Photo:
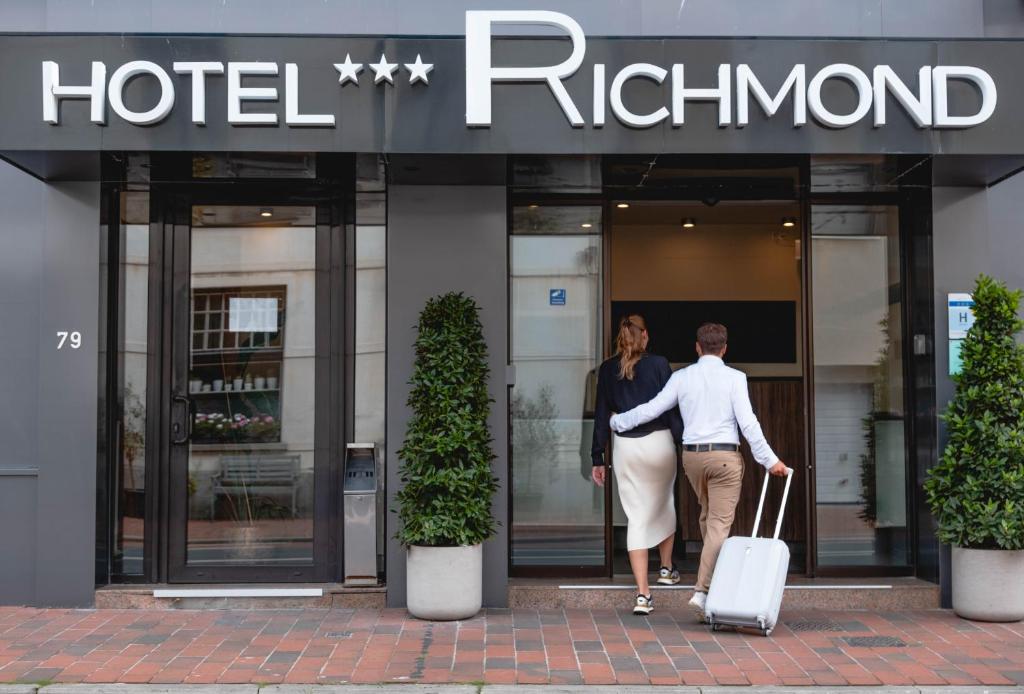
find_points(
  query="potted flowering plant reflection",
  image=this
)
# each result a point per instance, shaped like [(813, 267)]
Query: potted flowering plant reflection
[(217, 427)]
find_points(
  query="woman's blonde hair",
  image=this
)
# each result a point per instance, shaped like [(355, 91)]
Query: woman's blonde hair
[(630, 344)]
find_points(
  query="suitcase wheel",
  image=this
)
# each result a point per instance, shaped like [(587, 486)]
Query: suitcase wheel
[(716, 627), (766, 632)]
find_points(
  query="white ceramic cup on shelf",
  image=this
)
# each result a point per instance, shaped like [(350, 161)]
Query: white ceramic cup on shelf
[(260, 383), (218, 384), (272, 382), (237, 383)]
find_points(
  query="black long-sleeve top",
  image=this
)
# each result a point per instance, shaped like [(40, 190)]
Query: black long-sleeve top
[(616, 394)]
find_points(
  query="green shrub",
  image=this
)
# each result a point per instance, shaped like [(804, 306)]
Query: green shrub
[(447, 485), (977, 489)]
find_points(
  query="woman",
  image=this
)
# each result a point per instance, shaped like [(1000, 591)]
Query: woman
[(645, 458)]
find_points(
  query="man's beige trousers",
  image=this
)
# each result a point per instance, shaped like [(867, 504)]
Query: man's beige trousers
[(716, 478)]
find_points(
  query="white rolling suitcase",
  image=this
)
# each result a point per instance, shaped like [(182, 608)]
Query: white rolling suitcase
[(750, 576)]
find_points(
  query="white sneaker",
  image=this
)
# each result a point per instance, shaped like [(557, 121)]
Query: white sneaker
[(668, 576), (697, 603), (644, 605)]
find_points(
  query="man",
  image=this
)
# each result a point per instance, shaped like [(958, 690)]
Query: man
[(714, 402)]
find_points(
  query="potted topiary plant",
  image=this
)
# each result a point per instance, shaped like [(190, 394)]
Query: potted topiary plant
[(444, 503), (977, 489)]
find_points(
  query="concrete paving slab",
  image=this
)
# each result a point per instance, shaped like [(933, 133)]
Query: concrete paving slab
[(372, 689), (472, 689), (811, 690), (588, 689), (151, 689), (18, 689), (657, 689)]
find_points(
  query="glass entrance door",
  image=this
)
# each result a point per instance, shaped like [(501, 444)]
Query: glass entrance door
[(680, 264), (860, 422), (250, 435)]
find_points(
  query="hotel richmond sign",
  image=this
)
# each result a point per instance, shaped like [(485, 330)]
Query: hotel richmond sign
[(926, 102), (519, 81)]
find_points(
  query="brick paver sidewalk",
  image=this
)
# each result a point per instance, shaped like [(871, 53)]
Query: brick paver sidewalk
[(502, 646)]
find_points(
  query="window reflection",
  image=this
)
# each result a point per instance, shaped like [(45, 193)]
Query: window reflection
[(251, 385), (370, 313), (857, 174), (253, 165), (130, 500), (858, 386), (558, 513), (557, 174)]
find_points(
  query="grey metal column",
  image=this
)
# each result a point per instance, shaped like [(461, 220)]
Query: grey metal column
[(49, 274), (447, 238)]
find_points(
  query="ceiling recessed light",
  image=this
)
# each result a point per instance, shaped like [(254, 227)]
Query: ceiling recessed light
[(623, 205), (266, 212), (689, 222), (789, 222), (586, 225), (533, 207)]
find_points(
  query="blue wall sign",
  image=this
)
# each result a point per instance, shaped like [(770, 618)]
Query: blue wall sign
[(961, 315), (961, 318), (556, 297)]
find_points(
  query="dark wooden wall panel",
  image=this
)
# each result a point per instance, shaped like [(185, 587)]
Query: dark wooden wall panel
[(779, 407)]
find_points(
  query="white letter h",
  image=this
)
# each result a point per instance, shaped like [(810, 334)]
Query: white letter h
[(94, 92)]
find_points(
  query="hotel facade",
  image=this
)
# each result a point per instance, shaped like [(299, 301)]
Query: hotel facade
[(221, 222)]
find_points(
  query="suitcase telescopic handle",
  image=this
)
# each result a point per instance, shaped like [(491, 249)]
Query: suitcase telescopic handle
[(782, 507)]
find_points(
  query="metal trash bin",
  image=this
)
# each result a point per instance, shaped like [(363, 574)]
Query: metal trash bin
[(360, 532)]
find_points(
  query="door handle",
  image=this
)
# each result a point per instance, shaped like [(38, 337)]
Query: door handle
[(176, 428)]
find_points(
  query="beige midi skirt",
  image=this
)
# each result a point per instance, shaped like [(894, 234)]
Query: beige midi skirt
[(645, 474)]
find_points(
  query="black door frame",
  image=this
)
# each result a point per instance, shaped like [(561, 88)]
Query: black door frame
[(605, 200), (798, 199), (170, 232), (912, 203), (912, 197)]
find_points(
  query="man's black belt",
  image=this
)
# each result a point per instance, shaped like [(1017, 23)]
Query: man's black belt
[(707, 447)]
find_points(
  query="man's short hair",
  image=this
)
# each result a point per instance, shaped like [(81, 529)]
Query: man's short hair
[(712, 338)]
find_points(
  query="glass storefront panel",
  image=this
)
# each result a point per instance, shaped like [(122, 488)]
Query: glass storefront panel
[(558, 514), (251, 385), (856, 174), (371, 271), (129, 499), (254, 165), (129, 545), (859, 413), (557, 174), (225, 318)]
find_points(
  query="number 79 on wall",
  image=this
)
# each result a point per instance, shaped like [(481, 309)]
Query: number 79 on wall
[(71, 339)]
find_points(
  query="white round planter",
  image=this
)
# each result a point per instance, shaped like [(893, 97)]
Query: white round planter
[(444, 583), (988, 584)]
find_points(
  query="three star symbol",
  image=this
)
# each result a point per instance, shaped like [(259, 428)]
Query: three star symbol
[(383, 71), (418, 71), (348, 70)]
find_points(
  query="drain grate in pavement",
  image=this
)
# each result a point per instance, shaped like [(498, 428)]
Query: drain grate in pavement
[(338, 634), (875, 641), (814, 625)]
